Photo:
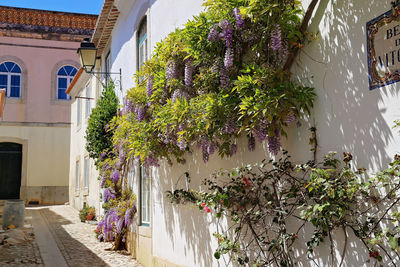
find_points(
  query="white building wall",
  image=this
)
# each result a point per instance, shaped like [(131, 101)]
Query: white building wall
[(348, 117)]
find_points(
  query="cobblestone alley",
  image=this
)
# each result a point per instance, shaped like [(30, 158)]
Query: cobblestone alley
[(54, 236)]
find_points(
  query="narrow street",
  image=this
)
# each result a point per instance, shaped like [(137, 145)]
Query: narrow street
[(54, 236)]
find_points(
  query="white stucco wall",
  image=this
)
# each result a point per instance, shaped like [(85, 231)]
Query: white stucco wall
[(348, 117), (91, 194)]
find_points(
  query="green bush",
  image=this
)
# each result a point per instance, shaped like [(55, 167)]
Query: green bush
[(98, 139)]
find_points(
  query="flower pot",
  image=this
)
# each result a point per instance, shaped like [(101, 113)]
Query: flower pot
[(89, 217)]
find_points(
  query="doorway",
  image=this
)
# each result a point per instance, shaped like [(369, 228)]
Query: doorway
[(10, 170)]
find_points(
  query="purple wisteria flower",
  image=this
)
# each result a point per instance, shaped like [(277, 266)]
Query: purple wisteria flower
[(172, 70), (233, 150), (229, 57), (120, 225), (224, 78), (129, 215), (274, 143), (291, 118), (109, 219), (107, 195), (238, 17), (106, 127), (227, 32), (260, 132), (189, 68), (179, 93), (230, 126), (102, 155), (115, 176), (140, 113), (204, 143), (251, 143), (276, 38), (103, 180), (149, 86), (151, 160), (213, 35)]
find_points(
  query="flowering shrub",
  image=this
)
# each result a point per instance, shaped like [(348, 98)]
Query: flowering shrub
[(260, 201), (118, 198), (219, 77)]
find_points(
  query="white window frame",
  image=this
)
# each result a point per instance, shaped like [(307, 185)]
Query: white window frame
[(69, 80), (107, 68), (9, 74), (86, 172), (77, 174), (145, 196), (142, 44)]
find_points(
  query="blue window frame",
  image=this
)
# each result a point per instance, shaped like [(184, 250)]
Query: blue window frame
[(65, 76), (10, 79)]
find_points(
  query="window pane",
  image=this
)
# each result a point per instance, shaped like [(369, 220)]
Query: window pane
[(62, 72), (62, 83), (3, 68), (62, 94), (3, 81), (86, 164), (145, 196), (14, 91), (15, 80), (16, 69), (74, 71), (9, 66)]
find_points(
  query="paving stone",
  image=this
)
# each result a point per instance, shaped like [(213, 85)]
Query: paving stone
[(77, 241)]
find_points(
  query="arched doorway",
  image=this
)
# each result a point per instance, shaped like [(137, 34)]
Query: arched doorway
[(10, 170)]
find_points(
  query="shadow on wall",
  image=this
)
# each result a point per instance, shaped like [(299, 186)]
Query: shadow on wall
[(348, 116)]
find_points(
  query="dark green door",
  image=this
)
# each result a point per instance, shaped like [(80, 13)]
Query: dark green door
[(10, 170)]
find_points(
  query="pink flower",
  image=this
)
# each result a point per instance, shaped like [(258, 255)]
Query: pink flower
[(203, 204), (207, 209), (222, 201)]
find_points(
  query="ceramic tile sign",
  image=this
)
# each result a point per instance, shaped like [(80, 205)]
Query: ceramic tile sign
[(383, 48)]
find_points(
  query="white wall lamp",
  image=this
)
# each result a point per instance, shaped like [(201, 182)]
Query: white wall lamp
[(88, 55)]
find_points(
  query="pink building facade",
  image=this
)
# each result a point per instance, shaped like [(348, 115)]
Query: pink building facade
[(38, 60)]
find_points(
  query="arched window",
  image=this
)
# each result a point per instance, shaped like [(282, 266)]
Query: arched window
[(142, 42), (11, 79), (65, 75)]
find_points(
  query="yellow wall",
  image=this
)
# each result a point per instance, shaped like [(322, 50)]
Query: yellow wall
[(46, 148)]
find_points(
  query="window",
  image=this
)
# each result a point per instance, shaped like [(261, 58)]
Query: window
[(107, 68), (86, 172), (144, 196), (65, 75), (78, 111), (87, 107), (142, 42), (10, 79), (77, 173)]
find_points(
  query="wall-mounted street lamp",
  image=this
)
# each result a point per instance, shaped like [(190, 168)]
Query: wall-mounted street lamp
[(88, 55)]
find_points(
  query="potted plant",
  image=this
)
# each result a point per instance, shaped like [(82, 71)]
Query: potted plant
[(91, 213), (87, 213)]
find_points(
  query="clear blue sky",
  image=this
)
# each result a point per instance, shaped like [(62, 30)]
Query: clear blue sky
[(76, 6)]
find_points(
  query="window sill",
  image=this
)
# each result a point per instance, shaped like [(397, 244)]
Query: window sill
[(14, 100)]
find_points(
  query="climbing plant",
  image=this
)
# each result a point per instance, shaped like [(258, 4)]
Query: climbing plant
[(219, 77), (261, 201)]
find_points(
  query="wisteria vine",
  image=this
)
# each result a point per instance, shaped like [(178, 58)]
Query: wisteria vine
[(218, 78)]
